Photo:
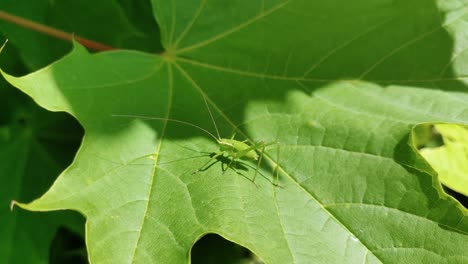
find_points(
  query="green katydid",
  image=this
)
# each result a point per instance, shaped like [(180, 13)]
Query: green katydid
[(228, 147)]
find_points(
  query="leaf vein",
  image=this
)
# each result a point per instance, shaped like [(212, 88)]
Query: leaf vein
[(234, 29), (191, 23), (158, 150)]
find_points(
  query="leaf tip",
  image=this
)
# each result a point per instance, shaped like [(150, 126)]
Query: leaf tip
[(3, 46), (12, 204)]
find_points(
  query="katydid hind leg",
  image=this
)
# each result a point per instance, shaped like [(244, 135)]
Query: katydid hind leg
[(276, 170), (258, 163)]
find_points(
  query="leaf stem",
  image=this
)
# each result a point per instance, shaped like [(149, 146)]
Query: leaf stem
[(53, 32)]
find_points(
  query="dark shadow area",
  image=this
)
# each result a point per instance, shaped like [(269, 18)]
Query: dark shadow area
[(52, 139), (460, 197), (397, 57), (225, 162), (140, 15), (385, 55), (68, 247), (125, 24), (35, 146), (214, 249)]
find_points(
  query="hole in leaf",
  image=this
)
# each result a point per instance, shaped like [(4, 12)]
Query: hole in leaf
[(67, 247), (445, 147), (213, 248)]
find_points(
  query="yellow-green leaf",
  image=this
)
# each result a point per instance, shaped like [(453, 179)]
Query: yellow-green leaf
[(451, 160)]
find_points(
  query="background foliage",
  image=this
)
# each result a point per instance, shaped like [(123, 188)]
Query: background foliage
[(340, 86)]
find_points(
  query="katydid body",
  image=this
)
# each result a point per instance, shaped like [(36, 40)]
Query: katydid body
[(237, 149)]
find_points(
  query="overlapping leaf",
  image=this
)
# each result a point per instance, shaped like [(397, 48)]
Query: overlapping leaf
[(340, 86), (83, 18)]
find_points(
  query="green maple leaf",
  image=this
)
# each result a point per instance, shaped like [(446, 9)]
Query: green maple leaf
[(339, 86)]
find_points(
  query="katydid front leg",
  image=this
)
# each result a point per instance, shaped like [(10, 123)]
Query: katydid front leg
[(202, 168)]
